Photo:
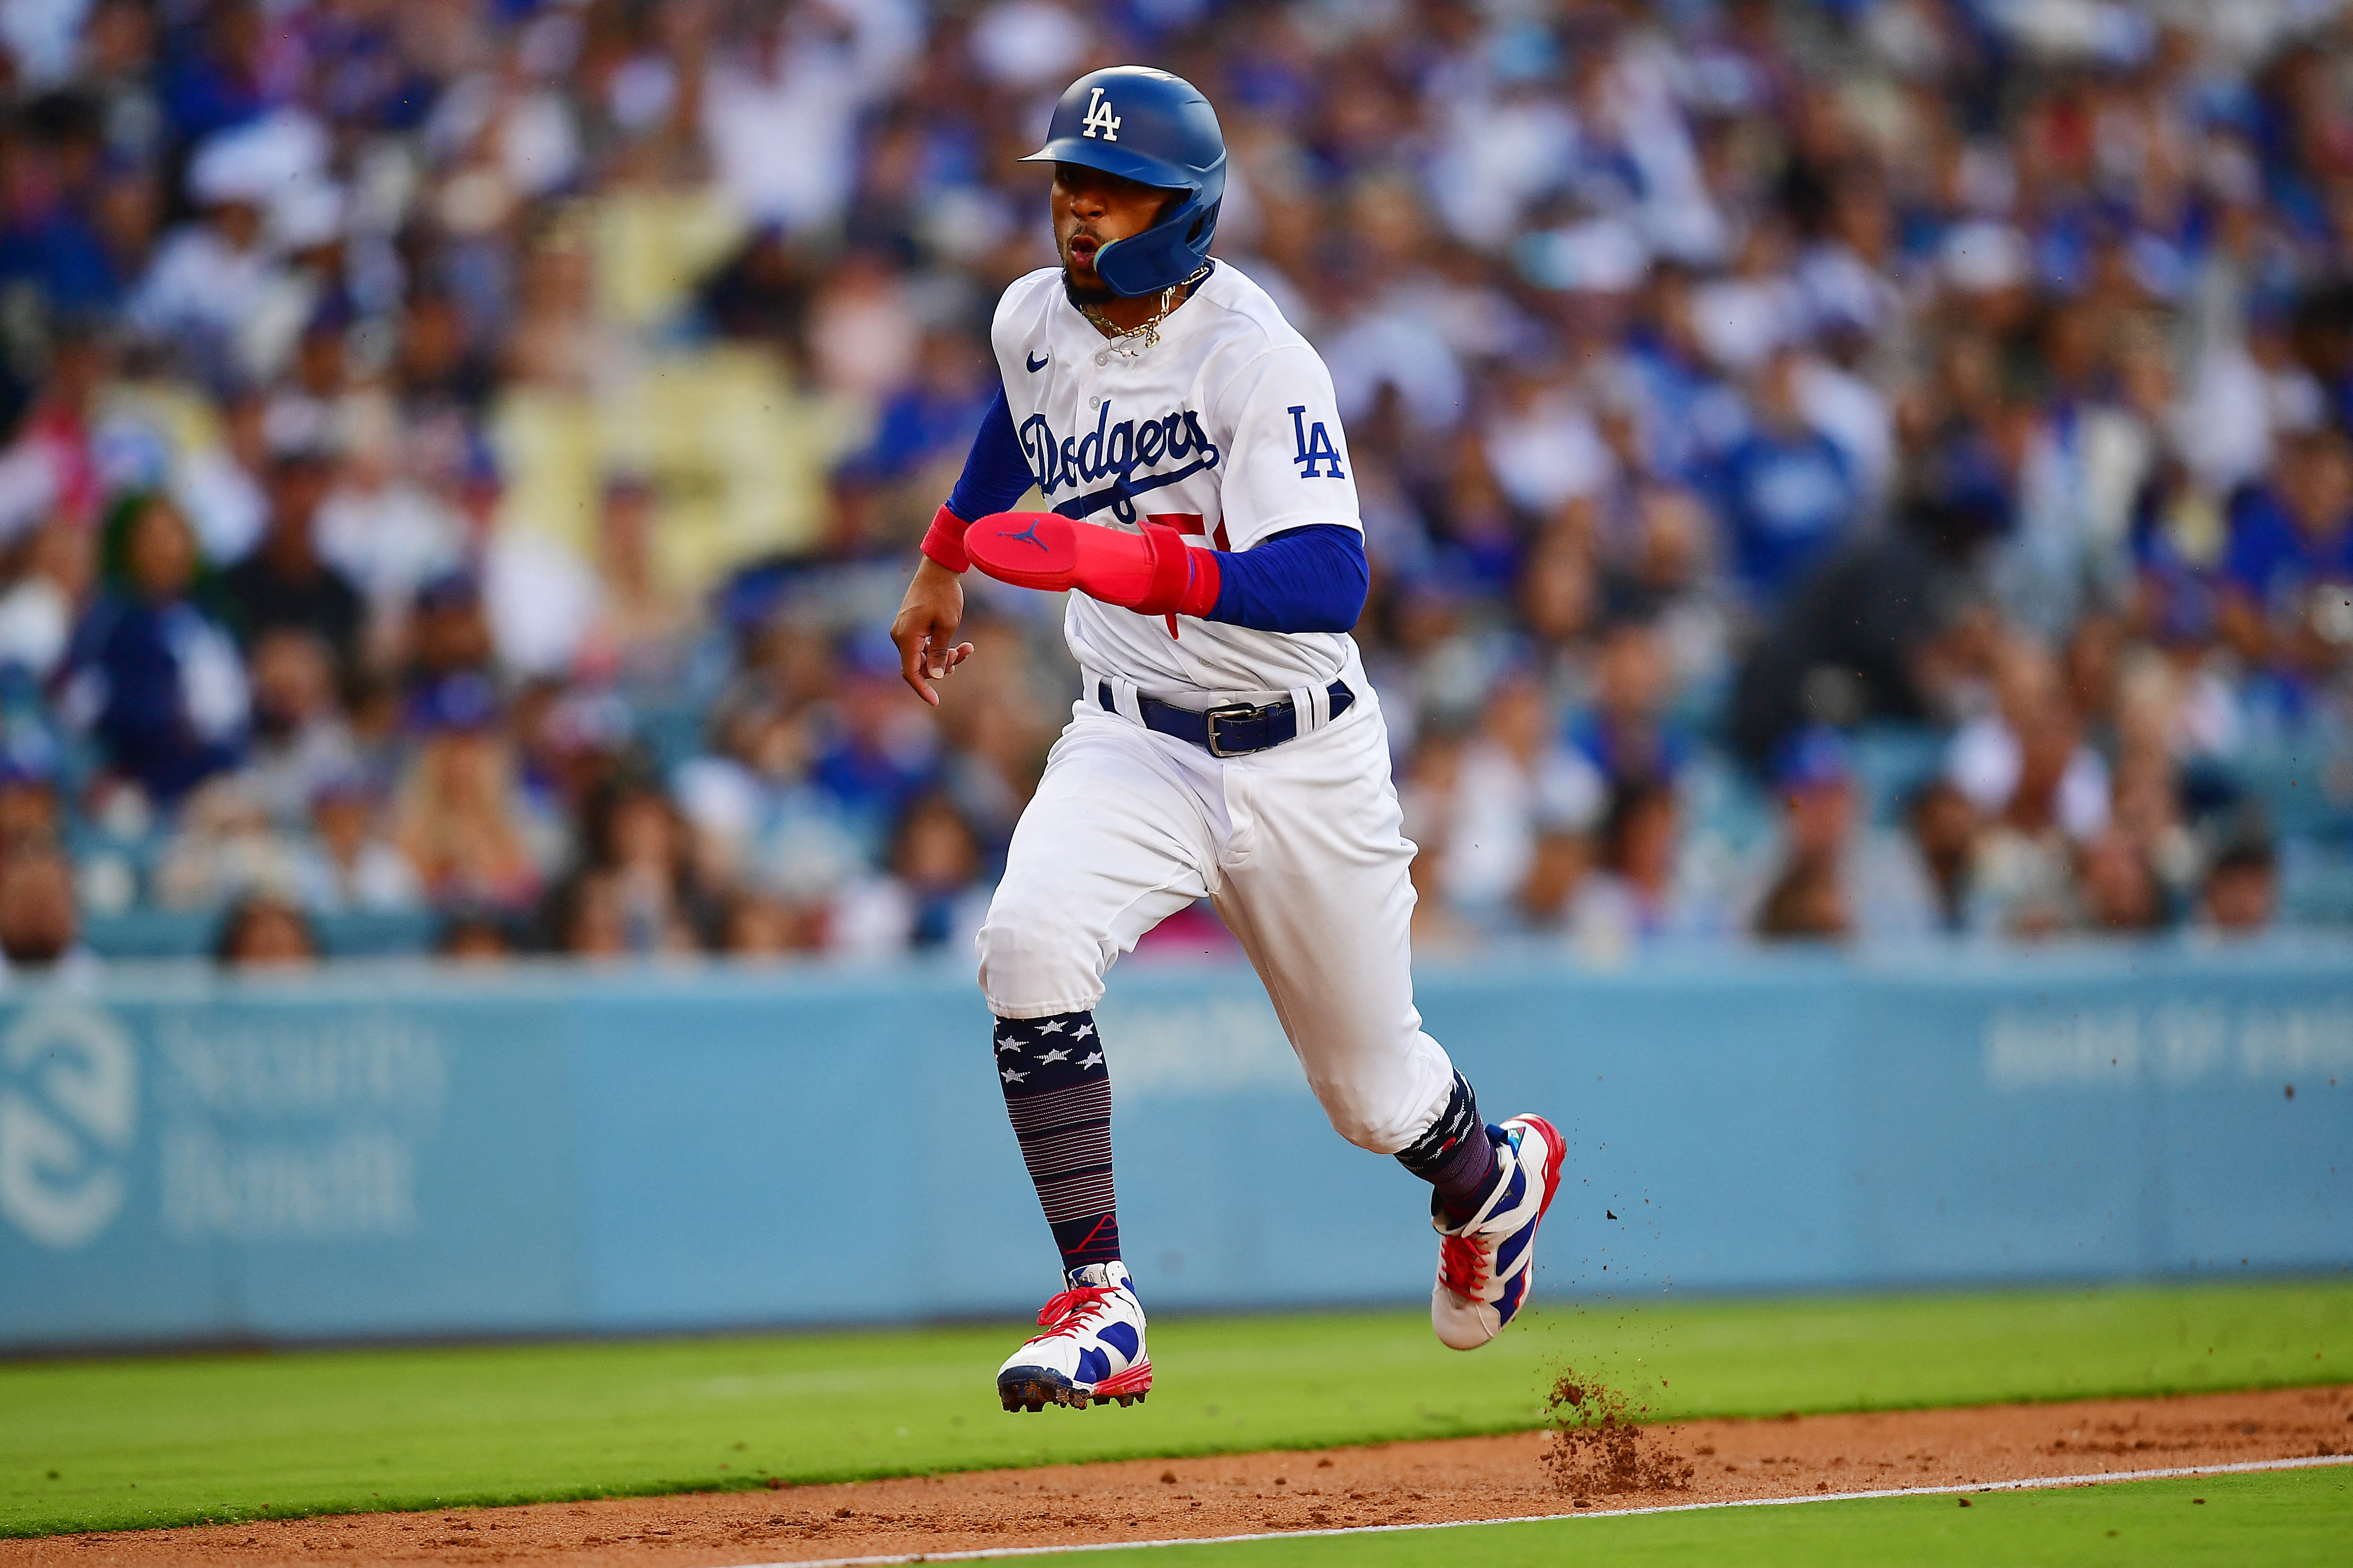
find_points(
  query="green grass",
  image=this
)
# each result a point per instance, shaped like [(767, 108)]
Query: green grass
[(118, 1444), (2282, 1518)]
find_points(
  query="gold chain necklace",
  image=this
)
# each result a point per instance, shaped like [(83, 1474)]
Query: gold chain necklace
[(1128, 342)]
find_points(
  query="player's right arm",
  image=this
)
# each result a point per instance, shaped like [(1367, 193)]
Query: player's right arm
[(995, 475)]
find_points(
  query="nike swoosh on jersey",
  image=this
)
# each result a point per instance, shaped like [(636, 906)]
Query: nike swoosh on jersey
[(1037, 362)]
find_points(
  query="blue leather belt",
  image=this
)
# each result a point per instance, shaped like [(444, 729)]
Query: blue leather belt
[(1235, 729)]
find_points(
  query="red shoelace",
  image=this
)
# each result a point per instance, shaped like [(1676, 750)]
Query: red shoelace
[(1062, 1310), (1462, 1266)]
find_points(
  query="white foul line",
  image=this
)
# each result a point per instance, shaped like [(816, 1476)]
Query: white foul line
[(2036, 1483)]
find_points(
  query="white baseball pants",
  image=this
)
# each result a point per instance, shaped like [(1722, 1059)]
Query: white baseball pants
[(1299, 849)]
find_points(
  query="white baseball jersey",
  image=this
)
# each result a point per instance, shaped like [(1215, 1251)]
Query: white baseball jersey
[(1225, 430)]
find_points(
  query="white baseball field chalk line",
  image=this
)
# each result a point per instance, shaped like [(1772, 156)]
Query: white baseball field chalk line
[(2038, 1482)]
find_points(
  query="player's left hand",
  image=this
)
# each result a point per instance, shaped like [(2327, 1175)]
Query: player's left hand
[(1154, 572)]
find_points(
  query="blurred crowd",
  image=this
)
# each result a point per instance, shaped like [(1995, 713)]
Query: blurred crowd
[(1834, 469)]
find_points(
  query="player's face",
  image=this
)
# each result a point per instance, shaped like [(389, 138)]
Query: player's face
[(1091, 210)]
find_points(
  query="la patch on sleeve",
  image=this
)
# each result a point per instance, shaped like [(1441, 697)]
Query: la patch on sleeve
[(1314, 446)]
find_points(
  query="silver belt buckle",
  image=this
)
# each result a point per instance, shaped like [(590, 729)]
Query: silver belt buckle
[(1209, 717)]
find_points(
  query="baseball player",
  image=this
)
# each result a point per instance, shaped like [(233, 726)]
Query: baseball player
[(1225, 743)]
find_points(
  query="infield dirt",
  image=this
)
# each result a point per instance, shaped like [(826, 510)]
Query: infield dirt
[(1589, 1462)]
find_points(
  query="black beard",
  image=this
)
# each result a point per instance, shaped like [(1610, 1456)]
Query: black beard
[(1094, 294)]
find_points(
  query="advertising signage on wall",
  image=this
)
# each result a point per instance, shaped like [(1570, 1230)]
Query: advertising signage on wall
[(554, 1151)]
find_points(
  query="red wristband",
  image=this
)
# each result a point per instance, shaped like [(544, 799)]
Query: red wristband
[(1200, 596), (944, 542)]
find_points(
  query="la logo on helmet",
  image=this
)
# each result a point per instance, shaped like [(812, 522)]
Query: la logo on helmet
[(1100, 117)]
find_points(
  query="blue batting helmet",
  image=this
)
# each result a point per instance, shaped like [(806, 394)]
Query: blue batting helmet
[(1157, 130)]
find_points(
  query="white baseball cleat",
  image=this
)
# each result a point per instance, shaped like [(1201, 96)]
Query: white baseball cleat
[(1093, 1348), (1486, 1264)]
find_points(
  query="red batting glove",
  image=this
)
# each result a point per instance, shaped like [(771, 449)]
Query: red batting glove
[(1154, 572)]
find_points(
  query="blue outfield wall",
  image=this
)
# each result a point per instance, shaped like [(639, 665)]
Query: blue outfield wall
[(416, 1152)]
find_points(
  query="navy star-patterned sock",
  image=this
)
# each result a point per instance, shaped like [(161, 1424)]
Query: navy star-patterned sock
[(1456, 1155), (1058, 1091)]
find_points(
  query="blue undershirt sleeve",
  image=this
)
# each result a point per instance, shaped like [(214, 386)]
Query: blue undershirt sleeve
[(1310, 579), (995, 474)]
